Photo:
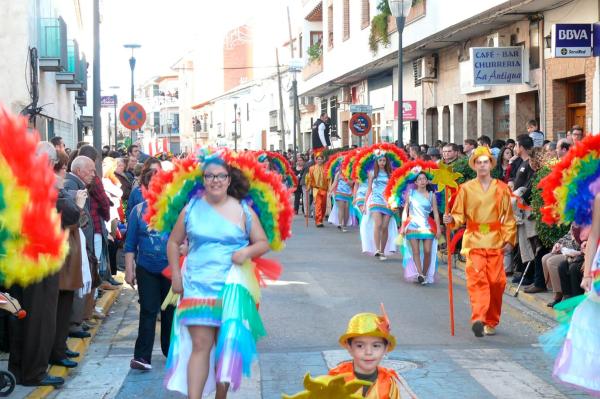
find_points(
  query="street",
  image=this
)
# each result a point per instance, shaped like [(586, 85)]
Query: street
[(326, 280)]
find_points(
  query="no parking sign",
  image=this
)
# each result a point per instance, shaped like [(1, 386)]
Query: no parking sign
[(132, 116), (360, 124)]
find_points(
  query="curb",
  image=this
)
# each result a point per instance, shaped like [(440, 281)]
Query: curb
[(78, 345), (530, 300)]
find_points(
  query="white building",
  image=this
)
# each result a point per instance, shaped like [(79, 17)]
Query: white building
[(43, 68), (437, 72)]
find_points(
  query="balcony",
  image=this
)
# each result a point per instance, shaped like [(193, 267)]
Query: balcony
[(312, 68), (53, 45)]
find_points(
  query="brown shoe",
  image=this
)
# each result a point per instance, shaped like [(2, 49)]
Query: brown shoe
[(487, 330), (532, 289)]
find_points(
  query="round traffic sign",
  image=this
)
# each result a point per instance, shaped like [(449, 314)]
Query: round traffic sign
[(132, 116), (360, 124)]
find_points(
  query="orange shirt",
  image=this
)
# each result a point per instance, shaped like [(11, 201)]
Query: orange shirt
[(487, 214), (385, 387), (316, 177)]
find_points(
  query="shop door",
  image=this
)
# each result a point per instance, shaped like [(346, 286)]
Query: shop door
[(576, 116)]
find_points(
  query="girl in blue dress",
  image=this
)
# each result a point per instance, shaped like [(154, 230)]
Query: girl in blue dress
[(340, 214), (223, 233), (378, 229), (420, 233)]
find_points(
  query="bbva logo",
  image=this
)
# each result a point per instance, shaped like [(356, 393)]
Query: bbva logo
[(573, 34)]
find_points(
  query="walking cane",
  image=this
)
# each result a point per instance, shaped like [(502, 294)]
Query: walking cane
[(306, 203), (522, 278)]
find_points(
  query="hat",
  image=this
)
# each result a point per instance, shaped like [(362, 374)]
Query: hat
[(433, 151), (369, 325), (481, 151), (319, 152)]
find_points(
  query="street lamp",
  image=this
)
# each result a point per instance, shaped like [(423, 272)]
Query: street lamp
[(115, 110), (400, 9), (132, 46)]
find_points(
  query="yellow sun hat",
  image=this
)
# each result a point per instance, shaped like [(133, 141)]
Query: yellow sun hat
[(369, 325), (481, 151)]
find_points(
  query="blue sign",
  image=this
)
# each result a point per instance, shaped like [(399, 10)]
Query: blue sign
[(499, 66), (596, 40), (572, 40)]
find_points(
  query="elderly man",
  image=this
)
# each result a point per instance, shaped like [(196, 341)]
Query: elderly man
[(562, 147), (31, 339)]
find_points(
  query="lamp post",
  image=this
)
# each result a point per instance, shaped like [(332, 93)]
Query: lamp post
[(400, 9), (115, 110), (132, 46)]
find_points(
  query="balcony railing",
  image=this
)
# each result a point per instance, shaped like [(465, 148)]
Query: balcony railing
[(53, 42), (73, 58), (313, 68)]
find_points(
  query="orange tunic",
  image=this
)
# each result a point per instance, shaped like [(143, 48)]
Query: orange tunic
[(386, 386), (316, 178), (487, 214)]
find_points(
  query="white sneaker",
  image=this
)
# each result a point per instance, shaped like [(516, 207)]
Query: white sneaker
[(382, 257)]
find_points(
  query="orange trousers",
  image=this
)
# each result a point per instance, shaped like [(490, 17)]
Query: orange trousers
[(486, 280), (320, 206)]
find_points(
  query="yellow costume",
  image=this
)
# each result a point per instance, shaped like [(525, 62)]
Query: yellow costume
[(385, 387), (316, 179), (490, 224)]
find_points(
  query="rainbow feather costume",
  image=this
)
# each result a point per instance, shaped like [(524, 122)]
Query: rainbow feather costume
[(233, 307), (365, 160), (568, 193), (32, 243), (282, 166)]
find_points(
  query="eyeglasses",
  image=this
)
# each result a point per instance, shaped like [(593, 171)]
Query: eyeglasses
[(221, 177)]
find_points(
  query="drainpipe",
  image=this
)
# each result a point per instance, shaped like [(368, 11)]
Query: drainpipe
[(543, 91)]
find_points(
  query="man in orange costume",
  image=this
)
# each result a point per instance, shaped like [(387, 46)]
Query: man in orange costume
[(316, 179), (483, 204)]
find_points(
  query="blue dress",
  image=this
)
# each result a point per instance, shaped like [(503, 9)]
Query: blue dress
[(216, 293), (343, 191), (377, 202)]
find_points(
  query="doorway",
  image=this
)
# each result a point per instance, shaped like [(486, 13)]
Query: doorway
[(576, 109)]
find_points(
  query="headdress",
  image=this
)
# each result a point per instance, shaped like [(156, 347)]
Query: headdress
[(402, 178), (369, 325), (569, 190), (32, 243), (334, 164), (281, 165), (170, 191), (365, 160), (319, 153), (481, 151), (348, 163)]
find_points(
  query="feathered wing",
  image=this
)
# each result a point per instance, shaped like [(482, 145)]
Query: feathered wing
[(32, 243)]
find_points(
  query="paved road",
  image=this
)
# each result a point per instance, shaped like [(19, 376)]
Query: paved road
[(326, 281)]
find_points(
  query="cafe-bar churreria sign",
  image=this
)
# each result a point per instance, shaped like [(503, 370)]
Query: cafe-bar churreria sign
[(499, 66)]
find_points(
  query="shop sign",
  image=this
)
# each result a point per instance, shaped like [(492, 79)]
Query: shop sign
[(499, 66), (409, 110), (108, 101), (572, 40)]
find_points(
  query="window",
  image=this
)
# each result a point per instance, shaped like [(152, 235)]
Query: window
[(346, 19), (501, 118), (156, 121), (333, 106), (316, 37), (534, 45), (366, 13), (330, 26), (211, 120), (273, 124), (155, 91)]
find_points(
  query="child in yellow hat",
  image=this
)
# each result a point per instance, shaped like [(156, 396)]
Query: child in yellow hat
[(367, 340)]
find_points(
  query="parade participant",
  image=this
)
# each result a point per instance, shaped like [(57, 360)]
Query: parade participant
[(34, 247), (220, 201), (379, 229), (483, 204), (571, 194), (341, 190), (316, 179), (276, 162), (359, 190), (367, 340), (409, 188)]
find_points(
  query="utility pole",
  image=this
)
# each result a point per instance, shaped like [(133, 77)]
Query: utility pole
[(280, 103), (96, 81), (294, 89)]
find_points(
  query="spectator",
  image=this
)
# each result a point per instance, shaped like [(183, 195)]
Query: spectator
[(320, 133), (424, 148), (112, 187), (450, 153), (414, 152), (550, 147), (536, 135), (468, 146), (562, 147), (434, 153), (58, 143), (576, 134), (133, 151), (503, 165), (136, 193), (126, 183), (149, 249), (510, 143), (485, 141)]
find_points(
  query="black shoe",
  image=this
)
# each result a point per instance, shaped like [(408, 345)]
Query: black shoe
[(320, 225), (517, 277), (79, 334), (553, 303), (112, 281), (420, 279), (477, 328), (65, 363), (70, 353), (85, 327), (48, 380)]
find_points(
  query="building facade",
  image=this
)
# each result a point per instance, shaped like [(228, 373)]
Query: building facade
[(48, 40)]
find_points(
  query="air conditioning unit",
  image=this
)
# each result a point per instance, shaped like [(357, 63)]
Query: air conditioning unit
[(497, 40), (425, 69), (307, 100)]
